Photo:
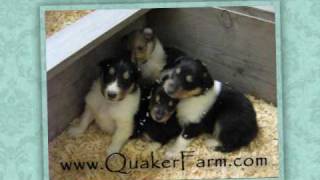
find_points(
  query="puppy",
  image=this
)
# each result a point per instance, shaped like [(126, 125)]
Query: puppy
[(206, 107), (149, 54), (112, 102), (156, 119)]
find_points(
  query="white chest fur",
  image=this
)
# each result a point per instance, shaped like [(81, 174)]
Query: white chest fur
[(152, 68), (105, 110), (191, 110)]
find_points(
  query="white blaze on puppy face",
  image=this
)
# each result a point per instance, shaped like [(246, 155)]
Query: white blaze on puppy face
[(113, 87), (167, 84)]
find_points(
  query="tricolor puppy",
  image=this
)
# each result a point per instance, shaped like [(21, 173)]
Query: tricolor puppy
[(206, 107), (156, 119), (112, 102)]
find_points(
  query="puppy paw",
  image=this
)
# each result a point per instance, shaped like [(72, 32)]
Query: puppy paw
[(212, 144), (171, 153), (112, 150), (75, 131)]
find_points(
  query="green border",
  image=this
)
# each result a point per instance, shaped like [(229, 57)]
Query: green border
[(275, 3)]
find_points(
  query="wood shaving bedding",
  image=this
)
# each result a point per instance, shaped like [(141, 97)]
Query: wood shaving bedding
[(57, 20), (93, 144)]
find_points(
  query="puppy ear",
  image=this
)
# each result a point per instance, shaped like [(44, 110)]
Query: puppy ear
[(148, 34)]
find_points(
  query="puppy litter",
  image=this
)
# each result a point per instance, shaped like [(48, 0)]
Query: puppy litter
[(93, 144)]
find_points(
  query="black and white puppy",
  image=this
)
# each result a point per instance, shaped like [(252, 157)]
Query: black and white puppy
[(149, 54), (206, 107), (112, 102), (156, 119)]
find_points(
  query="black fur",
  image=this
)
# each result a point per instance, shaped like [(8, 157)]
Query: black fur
[(188, 66), (173, 54), (232, 111), (236, 117), (144, 123), (120, 65)]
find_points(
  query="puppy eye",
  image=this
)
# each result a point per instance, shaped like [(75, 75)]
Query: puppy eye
[(126, 75), (178, 71), (189, 78), (158, 99), (140, 48), (170, 103), (111, 71), (205, 74)]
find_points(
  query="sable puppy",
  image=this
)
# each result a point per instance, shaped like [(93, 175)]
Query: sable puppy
[(112, 102), (206, 107), (148, 53), (156, 118)]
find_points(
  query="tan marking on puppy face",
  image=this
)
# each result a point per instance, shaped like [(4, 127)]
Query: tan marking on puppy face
[(157, 98), (180, 94), (125, 75), (164, 119), (189, 78)]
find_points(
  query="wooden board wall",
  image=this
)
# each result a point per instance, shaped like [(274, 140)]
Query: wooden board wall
[(238, 49), (69, 83)]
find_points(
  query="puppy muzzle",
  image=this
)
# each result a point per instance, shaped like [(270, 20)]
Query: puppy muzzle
[(159, 115)]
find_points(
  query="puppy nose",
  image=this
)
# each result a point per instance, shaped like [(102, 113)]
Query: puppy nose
[(159, 114), (112, 94)]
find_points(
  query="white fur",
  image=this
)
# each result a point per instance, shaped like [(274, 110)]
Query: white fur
[(167, 84), (191, 110), (179, 145), (212, 143), (113, 87), (152, 68), (115, 117)]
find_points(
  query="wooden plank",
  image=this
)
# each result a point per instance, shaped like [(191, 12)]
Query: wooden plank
[(67, 89), (84, 35), (262, 13), (237, 48)]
